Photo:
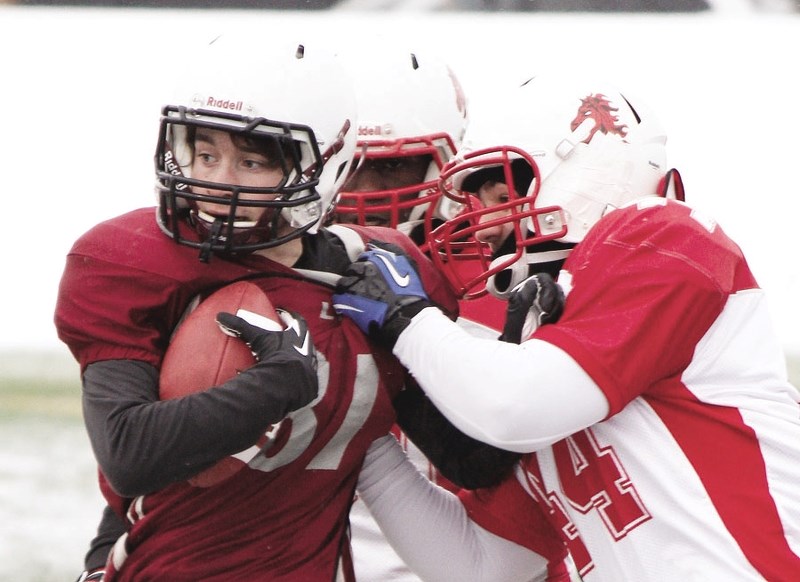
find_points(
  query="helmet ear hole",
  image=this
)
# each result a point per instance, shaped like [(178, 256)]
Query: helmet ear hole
[(523, 176), (340, 170), (671, 186), (503, 282)]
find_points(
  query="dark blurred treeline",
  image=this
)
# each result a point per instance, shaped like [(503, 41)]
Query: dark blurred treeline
[(486, 5)]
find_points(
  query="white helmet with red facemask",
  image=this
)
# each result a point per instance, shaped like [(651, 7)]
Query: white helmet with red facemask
[(293, 102), (411, 110), (570, 152)]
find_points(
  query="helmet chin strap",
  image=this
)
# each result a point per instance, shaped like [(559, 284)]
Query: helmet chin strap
[(212, 239), (503, 282)]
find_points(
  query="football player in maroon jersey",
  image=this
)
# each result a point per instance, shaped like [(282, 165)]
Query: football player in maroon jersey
[(659, 429), (252, 151)]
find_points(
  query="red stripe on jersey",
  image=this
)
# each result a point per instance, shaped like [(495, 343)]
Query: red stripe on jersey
[(749, 513)]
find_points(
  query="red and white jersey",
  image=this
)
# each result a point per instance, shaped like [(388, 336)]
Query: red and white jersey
[(284, 517), (695, 473), (682, 460)]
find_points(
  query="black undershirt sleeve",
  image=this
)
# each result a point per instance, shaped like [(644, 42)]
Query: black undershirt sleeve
[(143, 444), (110, 528), (465, 461)]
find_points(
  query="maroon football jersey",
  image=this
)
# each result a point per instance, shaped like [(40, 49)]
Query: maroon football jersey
[(284, 516)]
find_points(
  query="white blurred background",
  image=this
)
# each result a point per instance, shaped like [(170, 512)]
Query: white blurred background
[(80, 90)]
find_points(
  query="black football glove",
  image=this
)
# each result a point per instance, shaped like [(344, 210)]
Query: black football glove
[(534, 302), (381, 292), (289, 349)]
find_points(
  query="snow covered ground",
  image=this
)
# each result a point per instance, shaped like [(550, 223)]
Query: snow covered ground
[(49, 501), (80, 91)]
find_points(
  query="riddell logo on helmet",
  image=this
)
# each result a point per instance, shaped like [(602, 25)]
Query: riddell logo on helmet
[(368, 130), (171, 166), (224, 104)]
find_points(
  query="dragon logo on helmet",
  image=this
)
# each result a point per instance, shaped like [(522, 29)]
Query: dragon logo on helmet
[(598, 108)]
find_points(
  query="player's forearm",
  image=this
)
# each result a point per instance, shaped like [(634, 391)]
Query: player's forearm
[(466, 462), (517, 397), (143, 444), (424, 522)]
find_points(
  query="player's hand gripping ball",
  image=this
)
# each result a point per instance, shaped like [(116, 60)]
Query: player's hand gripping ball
[(201, 356)]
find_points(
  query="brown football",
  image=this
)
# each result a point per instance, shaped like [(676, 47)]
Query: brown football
[(201, 356)]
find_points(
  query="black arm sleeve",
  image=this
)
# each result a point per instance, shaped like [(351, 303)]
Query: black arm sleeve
[(110, 528), (143, 444), (467, 462)]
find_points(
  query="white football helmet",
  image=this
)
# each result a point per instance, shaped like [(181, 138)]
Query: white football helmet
[(409, 104), (570, 152), (297, 97)]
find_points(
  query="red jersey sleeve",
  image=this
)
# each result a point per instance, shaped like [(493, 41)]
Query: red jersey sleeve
[(644, 288), (126, 285)]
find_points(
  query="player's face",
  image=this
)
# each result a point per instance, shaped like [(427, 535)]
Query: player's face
[(221, 157), (378, 174), (492, 193)]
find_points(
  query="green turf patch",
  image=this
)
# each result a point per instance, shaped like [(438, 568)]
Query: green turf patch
[(48, 398), (44, 394)]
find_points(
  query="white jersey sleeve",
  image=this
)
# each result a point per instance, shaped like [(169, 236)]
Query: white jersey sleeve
[(425, 522), (499, 393)]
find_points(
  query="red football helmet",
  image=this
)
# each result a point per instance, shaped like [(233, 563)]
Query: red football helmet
[(568, 152)]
